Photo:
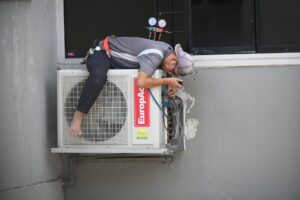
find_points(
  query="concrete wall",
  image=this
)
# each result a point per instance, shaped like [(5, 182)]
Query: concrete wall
[(28, 101), (247, 142)]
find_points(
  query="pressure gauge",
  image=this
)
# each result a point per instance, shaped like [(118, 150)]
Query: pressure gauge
[(152, 21), (162, 23)]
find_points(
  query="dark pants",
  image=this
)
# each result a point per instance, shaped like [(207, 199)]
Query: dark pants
[(97, 64)]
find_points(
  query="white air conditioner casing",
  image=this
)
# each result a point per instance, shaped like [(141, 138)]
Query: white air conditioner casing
[(124, 118)]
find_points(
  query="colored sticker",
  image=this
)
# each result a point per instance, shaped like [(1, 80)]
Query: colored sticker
[(142, 133), (141, 106)]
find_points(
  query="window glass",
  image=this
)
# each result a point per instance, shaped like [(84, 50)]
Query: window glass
[(221, 26), (278, 25), (88, 20)]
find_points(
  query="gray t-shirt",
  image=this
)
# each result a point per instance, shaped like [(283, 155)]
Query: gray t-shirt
[(138, 53)]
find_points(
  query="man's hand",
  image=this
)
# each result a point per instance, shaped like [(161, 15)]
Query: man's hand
[(172, 91), (146, 81), (174, 83)]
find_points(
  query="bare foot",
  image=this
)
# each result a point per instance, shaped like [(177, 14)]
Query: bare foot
[(75, 127)]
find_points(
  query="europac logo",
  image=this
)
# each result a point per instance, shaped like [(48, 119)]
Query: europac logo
[(141, 106)]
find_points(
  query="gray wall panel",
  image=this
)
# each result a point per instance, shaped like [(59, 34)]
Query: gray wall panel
[(28, 98)]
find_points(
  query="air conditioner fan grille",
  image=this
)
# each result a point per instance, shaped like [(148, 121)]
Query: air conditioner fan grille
[(106, 122)]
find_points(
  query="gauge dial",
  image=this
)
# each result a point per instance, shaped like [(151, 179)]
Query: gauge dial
[(162, 23), (152, 21)]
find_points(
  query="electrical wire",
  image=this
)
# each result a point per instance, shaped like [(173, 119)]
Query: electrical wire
[(174, 106), (157, 104), (204, 170)]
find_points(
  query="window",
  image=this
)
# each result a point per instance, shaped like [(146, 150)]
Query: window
[(201, 26), (221, 26), (244, 26), (278, 26)]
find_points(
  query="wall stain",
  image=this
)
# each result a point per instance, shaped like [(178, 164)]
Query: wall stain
[(190, 124)]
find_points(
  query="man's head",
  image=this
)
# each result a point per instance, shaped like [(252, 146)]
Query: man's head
[(178, 63)]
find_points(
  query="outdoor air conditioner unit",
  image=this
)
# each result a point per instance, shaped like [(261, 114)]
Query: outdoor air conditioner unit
[(125, 119)]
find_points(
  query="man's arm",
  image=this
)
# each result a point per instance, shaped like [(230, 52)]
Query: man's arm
[(146, 81)]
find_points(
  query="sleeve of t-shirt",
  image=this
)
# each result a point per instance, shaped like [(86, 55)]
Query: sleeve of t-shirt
[(149, 62)]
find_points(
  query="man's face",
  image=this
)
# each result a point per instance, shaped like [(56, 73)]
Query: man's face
[(170, 64)]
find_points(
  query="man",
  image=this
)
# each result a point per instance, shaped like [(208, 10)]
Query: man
[(130, 53)]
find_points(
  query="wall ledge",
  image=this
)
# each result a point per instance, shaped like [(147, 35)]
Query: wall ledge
[(246, 60)]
